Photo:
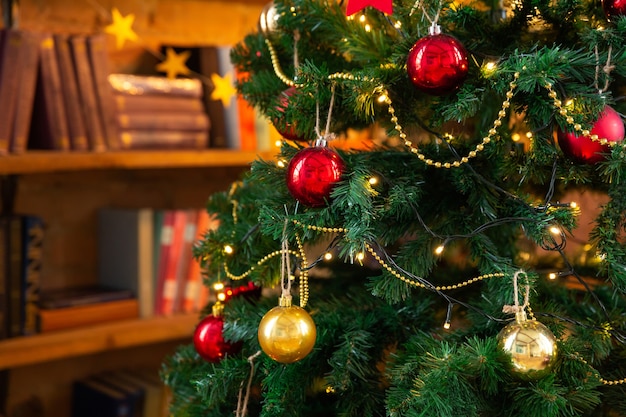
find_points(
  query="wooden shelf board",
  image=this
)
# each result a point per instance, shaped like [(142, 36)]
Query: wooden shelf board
[(41, 348), (34, 162)]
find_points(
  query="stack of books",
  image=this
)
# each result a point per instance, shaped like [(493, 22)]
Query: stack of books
[(159, 112), (150, 252)]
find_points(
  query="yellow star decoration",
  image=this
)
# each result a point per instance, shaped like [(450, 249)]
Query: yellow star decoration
[(174, 63), (224, 89), (121, 28)]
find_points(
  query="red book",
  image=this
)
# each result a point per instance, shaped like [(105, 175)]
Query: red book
[(186, 254), (172, 235), (193, 282), (26, 91)]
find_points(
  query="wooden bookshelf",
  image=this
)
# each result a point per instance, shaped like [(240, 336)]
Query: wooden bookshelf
[(44, 347), (34, 162)]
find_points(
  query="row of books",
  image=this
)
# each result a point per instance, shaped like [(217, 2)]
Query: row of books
[(150, 252), (126, 393), (57, 92)]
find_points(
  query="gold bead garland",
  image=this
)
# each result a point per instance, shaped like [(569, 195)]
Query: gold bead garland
[(486, 140), (258, 263), (579, 358), (558, 105)]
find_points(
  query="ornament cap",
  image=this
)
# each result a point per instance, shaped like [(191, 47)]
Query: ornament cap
[(434, 29), (284, 301), (520, 316), (217, 309)]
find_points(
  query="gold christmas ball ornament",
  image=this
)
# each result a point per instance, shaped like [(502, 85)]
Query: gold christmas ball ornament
[(532, 347), (268, 21), (287, 333)]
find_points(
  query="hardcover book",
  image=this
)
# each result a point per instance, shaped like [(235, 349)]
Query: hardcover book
[(163, 139), (152, 84), (49, 123), (87, 314), (71, 98)]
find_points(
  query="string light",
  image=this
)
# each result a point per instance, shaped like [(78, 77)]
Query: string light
[(228, 250), (328, 256), (218, 286), (439, 249), (373, 180), (281, 163), (553, 275)]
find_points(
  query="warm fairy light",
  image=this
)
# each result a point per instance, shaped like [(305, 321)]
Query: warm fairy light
[(218, 286), (360, 256), (439, 250), (573, 205), (489, 68), (373, 180), (446, 325), (382, 98), (278, 143), (529, 135), (555, 230), (569, 103), (330, 390), (524, 256), (362, 18), (280, 163), (221, 296), (398, 25), (228, 249), (516, 137), (328, 256), (368, 28), (552, 275)]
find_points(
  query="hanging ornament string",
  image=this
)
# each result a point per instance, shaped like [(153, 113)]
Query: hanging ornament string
[(606, 69), (516, 308), (242, 405), (285, 266), (327, 135)]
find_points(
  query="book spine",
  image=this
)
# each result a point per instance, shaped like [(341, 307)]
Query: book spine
[(208, 65), (86, 85), (4, 278), (166, 234), (49, 123), (9, 80), (161, 139), (26, 92), (231, 111), (33, 235), (86, 315), (193, 282), (173, 257), (186, 253), (198, 121), (99, 60), (247, 120), (147, 84), (15, 275), (126, 103), (75, 122)]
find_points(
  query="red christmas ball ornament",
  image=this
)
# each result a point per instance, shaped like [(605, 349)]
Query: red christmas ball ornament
[(312, 173), (614, 8), (286, 129), (208, 339), (584, 150), (437, 64)]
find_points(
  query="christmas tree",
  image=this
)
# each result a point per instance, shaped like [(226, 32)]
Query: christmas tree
[(440, 266)]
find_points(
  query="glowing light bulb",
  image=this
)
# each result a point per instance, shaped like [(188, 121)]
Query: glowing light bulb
[(552, 275), (439, 250), (328, 256), (573, 204), (221, 296), (360, 256), (555, 230), (515, 137), (373, 180), (382, 98), (218, 286), (447, 325), (228, 250), (280, 163)]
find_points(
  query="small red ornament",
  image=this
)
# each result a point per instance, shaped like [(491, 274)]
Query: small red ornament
[(584, 150), (614, 8), (312, 173), (208, 339), (385, 6), (437, 64), (286, 129)]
